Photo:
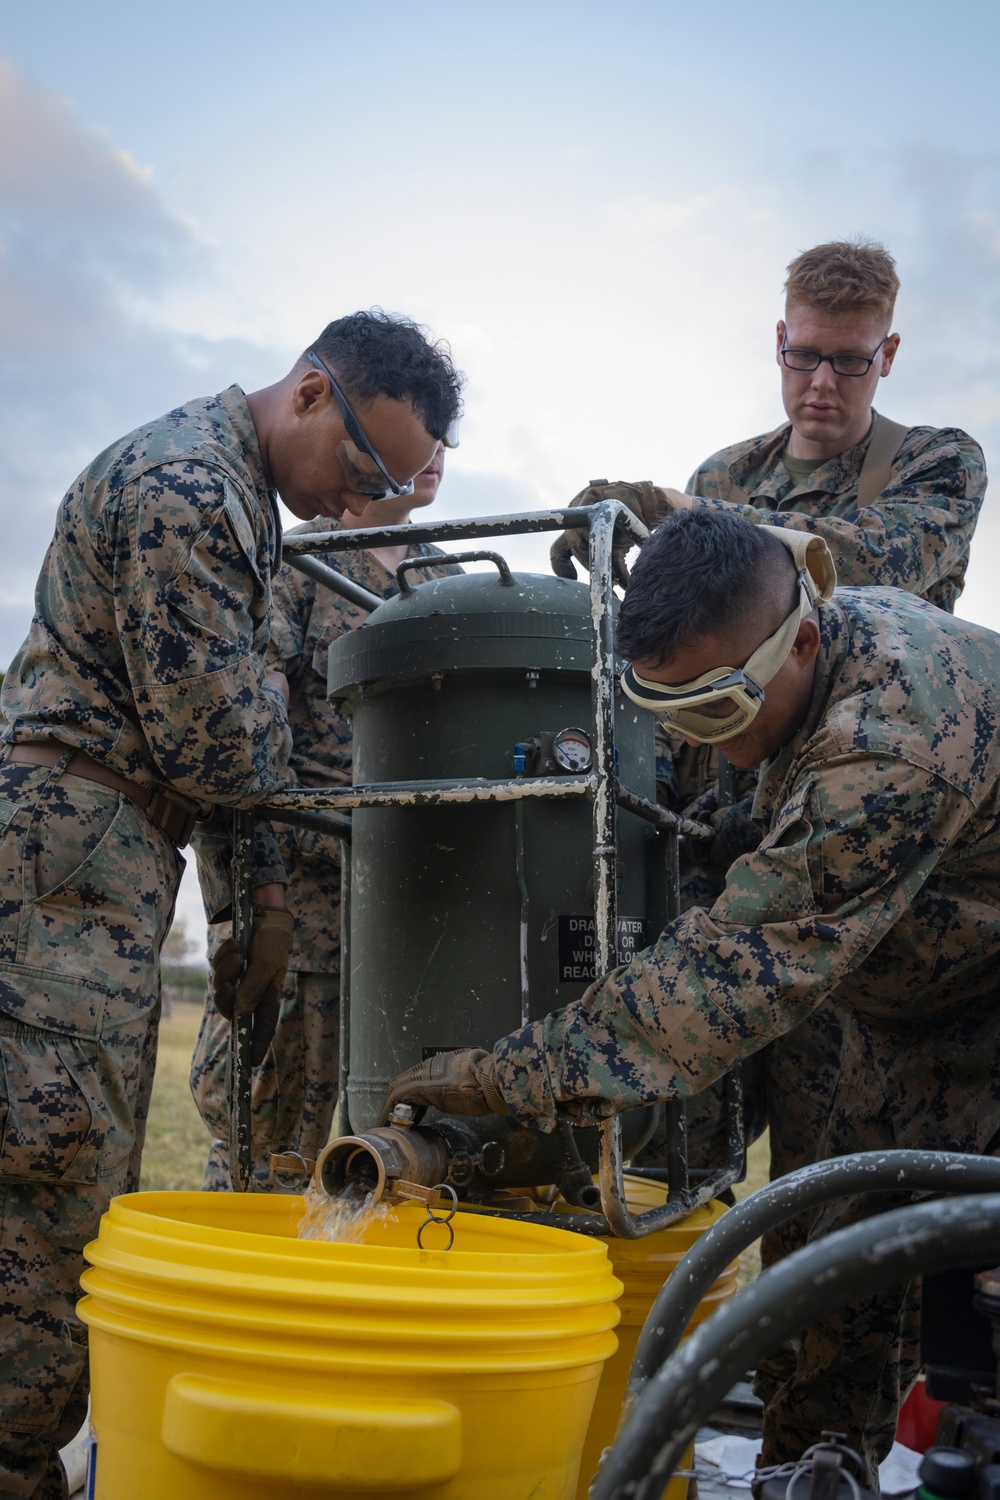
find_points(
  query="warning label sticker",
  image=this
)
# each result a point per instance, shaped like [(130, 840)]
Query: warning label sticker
[(576, 945)]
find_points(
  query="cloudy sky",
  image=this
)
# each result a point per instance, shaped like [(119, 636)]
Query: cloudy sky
[(594, 204)]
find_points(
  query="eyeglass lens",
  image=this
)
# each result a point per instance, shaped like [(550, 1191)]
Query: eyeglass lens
[(841, 364)]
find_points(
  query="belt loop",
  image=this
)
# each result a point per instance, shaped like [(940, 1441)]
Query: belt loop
[(176, 821)]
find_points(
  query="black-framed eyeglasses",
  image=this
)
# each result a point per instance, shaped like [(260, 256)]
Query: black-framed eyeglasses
[(840, 364), (362, 483)]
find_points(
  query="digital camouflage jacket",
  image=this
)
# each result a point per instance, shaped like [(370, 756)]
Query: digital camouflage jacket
[(877, 882), (152, 615), (915, 535)]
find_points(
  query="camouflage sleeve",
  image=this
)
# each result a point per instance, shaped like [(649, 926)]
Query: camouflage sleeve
[(213, 847), (916, 533), (192, 608), (735, 833), (709, 477), (667, 787), (292, 594), (844, 858)]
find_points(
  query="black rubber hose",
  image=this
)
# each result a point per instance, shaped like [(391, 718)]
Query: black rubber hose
[(841, 1176), (945, 1234)]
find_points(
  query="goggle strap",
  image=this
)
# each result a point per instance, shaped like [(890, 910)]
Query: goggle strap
[(772, 654)]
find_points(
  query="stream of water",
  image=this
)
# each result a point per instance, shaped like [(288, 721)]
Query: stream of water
[(343, 1220)]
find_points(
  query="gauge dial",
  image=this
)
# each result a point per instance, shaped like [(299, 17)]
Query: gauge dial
[(571, 750)]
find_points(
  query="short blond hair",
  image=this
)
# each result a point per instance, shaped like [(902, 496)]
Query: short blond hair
[(845, 276)]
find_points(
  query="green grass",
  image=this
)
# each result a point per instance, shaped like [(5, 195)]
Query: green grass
[(176, 1140)]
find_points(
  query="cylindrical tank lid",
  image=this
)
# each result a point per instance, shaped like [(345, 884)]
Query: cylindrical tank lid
[(469, 621)]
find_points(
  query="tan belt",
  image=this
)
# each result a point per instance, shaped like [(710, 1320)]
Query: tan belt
[(166, 811)]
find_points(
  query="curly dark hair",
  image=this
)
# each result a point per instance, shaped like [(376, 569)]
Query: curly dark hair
[(378, 353), (702, 572)]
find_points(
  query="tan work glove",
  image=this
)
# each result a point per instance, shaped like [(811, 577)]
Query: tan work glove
[(647, 501), (456, 1083), (258, 992)]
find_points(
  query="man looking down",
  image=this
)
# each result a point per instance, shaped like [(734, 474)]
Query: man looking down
[(139, 701), (875, 719)]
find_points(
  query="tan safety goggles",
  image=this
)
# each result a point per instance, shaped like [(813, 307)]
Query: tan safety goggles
[(721, 703)]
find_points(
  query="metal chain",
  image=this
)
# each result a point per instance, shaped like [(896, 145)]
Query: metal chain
[(445, 1219)]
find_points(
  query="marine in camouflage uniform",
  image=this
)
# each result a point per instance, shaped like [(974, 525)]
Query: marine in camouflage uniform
[(876, 884), (294, 1091), (151, 614), (139, 699), (916, 536)]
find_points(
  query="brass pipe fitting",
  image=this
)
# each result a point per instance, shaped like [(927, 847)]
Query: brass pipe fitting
[(380, 1158)]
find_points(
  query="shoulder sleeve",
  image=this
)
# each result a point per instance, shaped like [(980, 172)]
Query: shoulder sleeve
[(711, 478), (192, 599), (213, 848), (843, 860), (292, 598), (918, 531)]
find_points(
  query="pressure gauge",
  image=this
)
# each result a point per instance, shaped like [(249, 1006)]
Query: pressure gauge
[(571, 750)]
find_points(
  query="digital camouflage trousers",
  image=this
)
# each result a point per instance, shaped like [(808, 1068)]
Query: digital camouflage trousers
[(293, 1092), (87, 887)]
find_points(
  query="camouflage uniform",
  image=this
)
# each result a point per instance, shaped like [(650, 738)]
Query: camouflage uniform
[(151, 613), (915, 536), (876, 883), (295, 1088)]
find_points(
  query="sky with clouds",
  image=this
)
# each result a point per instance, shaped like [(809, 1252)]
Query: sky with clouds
[(593, 204)]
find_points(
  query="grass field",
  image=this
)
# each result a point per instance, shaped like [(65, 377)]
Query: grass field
[(177, 1142)]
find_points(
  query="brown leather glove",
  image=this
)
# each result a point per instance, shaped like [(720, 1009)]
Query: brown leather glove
[(647, 501), (258, 989), (456, 1083)]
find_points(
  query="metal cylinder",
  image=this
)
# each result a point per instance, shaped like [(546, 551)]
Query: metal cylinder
[(471, 919)]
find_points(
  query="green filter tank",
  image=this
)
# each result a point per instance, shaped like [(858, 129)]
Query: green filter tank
[(469, 919)]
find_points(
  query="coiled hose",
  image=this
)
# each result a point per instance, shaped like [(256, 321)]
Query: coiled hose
[(824, 1277), (842, 1176)]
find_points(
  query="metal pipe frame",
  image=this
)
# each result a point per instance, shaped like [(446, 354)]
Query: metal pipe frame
[(241, 1033), (427, 793), (343, 1116), (822, 1278), (335, 582), (603, 521), (570, 519)]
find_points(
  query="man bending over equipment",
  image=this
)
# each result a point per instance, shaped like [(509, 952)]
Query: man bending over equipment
[(875, 719)]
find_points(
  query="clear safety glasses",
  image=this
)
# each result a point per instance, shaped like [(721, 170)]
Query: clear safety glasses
[(363, 469)]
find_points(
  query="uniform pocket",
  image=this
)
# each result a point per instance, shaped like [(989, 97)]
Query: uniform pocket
[(70, 835), (13, 778), (106, 915), (53, 1122)]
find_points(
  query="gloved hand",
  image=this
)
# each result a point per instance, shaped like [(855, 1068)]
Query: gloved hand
[(735, 834), (647, 501), (259, 989), (456, 1083)]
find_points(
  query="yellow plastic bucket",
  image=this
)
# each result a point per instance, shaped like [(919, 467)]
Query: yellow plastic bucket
[(643, 1266), (232, 1361)]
